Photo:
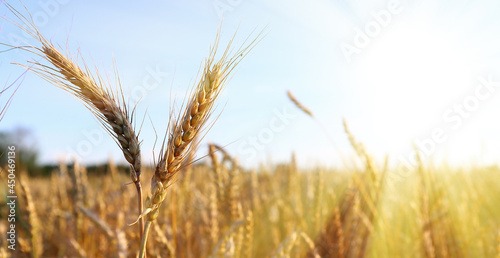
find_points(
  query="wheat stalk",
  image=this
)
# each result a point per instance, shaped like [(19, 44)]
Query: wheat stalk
[(225, 247), (78, 248), (33, 220), (116, 237), (162, 239), (188, 125), (214, 196), (286, 246)]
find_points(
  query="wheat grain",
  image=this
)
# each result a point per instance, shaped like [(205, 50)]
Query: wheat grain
[(249, 232), (213, 211)]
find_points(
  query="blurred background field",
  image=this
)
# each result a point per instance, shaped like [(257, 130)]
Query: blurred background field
[(216, 208)]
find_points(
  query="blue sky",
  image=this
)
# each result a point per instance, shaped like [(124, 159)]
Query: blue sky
[(397, 71)]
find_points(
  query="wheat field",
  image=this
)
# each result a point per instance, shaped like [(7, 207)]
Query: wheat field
[(186, 207), (217, 209)]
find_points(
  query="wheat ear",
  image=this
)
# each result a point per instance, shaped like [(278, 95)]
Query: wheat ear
[(298, 104), (107, 105), (33, 220), (308, 112), (188, 125)]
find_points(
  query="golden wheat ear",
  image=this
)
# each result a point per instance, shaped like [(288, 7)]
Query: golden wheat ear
[(197, 111), (190, 124), (106, 104)]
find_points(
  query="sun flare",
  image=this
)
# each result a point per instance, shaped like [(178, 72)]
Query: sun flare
[(411, 75)]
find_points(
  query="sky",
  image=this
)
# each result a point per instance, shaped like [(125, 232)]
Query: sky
[(400, 73)]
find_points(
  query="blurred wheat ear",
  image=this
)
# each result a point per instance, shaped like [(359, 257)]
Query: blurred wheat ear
[(298, 104), (90, 88), (309, 113)]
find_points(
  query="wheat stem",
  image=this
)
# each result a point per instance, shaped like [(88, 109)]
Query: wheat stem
[(144, 240)]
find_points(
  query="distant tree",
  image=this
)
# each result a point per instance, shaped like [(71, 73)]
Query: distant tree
[(26, 150)]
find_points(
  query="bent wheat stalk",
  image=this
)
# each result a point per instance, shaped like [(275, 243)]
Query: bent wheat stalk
[(107, 105), (188, 125), (116, 237)]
